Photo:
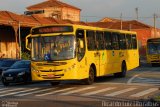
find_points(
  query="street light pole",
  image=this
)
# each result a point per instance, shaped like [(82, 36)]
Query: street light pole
[(121, 21), (136, 9), (19, 32), (154, 24)]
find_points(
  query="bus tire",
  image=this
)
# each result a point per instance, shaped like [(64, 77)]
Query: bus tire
[(53, 83), (123, 71), (154, 65), (90, 79)]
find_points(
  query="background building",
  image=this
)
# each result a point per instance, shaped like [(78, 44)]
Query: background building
[(14, 28), (55, 9)]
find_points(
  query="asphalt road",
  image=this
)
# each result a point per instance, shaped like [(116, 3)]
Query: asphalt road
[(139, 86)]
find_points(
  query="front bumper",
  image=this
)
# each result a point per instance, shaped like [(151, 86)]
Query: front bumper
[(15, 79), (60, 75)]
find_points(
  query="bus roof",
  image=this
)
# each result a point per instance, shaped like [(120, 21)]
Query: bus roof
[(154, 39), (86, 27)]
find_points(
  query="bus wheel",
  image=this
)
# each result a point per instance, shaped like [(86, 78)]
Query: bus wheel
[(123, 71), (154, 65), (90, 79), (53, 83)]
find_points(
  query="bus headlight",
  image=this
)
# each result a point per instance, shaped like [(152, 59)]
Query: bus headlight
[(36, 71)]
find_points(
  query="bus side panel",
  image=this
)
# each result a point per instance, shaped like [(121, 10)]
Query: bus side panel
[(104, 68), (92, 57), (112, 62), (84, 65), (132, 58), (82, 68)]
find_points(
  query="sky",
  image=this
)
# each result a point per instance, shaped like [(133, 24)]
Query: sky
[(95, 10)]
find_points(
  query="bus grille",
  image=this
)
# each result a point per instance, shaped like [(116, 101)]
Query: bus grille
[(51, 70), (51, 64), (154, 57), (55, 76), (156, 61)]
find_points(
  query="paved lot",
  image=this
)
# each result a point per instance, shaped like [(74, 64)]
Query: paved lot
[(140, 84)]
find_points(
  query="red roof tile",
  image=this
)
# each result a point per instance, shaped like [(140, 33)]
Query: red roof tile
[(7, 17), (59, 21), (10, 18), (126, 25), (81, 23), (75, 22), (68, 22), (28, 20), (107, 19), (101, 24), (51, 3), (42, 20), (130, 25)]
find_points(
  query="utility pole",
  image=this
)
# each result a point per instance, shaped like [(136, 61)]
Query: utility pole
[(136, 9), (121, 21), (86, 20), (154, 17)]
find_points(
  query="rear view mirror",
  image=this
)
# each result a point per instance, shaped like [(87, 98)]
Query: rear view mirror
[(80, 43), (28, 42)]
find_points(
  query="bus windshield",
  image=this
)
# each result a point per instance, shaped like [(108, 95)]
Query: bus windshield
[(154, 48), (53, 48)]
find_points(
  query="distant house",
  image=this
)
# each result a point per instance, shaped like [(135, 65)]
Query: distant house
[(107, 19), (55, 9)]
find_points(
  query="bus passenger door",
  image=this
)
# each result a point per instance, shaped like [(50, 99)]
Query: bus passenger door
[(101, 53), (93, 54), (97, 61), (109, 53), (114, 55), (132, 52), (123, 47), (81, 65)]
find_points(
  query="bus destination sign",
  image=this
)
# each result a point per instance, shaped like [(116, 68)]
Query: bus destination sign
[(154, 40), (52, 29)]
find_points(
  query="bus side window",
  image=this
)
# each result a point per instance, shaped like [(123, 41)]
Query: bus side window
[(129, 41), (122, 41), (107, 39), (91, 43), (80, 51), (134, 42), (99, 40), (115, 41)]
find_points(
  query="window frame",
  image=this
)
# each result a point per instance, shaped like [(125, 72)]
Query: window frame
[(115, 41), (91, 41), (100, 40), (134, 42)]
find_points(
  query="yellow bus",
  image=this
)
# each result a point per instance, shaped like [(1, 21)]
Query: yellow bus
[(77, 52), (153, 51)]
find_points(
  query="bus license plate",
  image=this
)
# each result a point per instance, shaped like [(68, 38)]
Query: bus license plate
[(51, 75)]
